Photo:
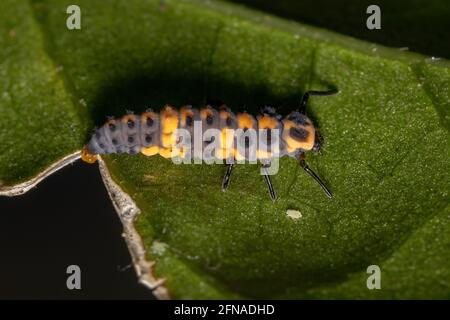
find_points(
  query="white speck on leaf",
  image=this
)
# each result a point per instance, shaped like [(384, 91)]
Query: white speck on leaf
[(293, 214), (158, 247)]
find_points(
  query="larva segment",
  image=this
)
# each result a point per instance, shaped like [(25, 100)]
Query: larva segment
[(150, 133), (246, 121), (100, 143), (112, 130), (188, 117), (267, 148), (169, 123), (227, 125), (131, 125), (169, 120), (298, 133), (210, 120), (267, 122), (211, 135), (243, 146)]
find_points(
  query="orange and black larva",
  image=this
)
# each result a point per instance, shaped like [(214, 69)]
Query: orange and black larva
[(153, 133)]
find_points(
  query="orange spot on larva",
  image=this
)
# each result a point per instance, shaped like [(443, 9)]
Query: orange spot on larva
[(88, 157)]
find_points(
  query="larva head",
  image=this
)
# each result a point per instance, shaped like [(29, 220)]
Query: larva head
[(298, 132)]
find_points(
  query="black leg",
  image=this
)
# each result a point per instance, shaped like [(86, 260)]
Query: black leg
[(272, 193), (305, 167), (307, 94), (226, 178)]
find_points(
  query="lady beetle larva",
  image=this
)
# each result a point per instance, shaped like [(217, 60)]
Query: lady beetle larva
[(158, 133)]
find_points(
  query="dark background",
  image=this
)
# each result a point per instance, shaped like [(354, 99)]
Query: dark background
[(421, 25), (69, 219)]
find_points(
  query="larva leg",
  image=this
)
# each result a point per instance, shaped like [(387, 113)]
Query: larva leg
[(307, 94), (227, 176), (272, 193), (304, 165)]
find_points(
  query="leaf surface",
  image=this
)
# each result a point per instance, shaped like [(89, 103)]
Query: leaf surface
[(385, 154)]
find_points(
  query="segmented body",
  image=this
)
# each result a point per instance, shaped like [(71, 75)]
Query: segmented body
[(153, 133)]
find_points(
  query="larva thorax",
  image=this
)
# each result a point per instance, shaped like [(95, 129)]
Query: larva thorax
[(159, 133)]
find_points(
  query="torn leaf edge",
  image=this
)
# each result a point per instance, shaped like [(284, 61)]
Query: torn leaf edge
[(128, 211), (21, 188)]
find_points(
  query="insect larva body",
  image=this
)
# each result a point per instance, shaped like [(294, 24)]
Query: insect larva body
[(152, 133), (210, 133)]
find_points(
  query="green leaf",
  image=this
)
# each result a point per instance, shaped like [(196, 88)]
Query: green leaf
[(385, 154), (39, 121)]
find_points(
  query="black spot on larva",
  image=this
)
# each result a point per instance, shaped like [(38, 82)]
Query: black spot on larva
[(298, 134), (189, 121), (120, 149), (269, 110), (130, 139), (112, 127), (299, 118), (228, 121), (149, 122), (130, 123), (114, 141), (133, 150), (148, 138), (101, 145), (209, 120)]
